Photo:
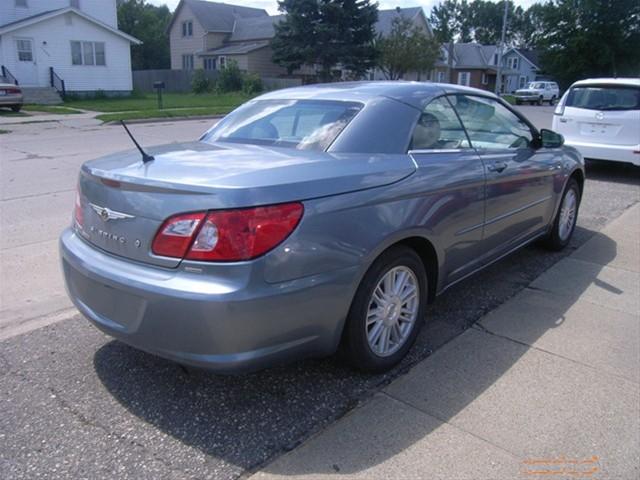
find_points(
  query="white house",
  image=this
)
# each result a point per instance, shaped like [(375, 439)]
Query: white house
[(45, 42)]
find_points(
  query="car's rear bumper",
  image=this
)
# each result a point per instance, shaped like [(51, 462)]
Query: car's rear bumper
[(226, 324), (11, 99), (599, 151)]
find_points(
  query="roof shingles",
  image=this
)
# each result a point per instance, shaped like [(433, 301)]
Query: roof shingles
[(221, 17)]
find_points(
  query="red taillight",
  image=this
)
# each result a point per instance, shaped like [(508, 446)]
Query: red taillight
[(78, 214), (230, 235), (13, 90)]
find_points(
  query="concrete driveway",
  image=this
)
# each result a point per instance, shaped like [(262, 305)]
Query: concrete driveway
[(75, 403)]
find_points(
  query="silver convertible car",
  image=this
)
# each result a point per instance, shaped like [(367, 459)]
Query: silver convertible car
[(312, 219)]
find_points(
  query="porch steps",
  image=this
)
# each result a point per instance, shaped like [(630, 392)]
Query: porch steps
[(41, 95)]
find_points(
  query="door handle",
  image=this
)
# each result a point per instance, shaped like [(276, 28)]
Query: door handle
[(497, 167)]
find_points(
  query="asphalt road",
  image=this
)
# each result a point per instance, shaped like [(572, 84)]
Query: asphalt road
[(76, 404)]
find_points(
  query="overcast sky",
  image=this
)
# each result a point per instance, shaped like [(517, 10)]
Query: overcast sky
[(271, 6)]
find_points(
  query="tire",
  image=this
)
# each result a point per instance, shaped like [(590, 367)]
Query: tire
[(552, 101), (16, 108), (560, 234), (359, 337), (539, 102)]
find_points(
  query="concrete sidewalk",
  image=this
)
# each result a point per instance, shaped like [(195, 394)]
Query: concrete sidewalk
[(546, 386)]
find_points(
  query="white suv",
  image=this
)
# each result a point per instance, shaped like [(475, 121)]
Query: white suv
[(538, 92), (600, 117)]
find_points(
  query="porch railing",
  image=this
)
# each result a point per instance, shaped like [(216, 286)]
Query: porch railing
[(57, 82), (8, 75)]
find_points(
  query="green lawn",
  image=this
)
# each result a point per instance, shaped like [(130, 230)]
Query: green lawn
[(165, 113), (509, 99), (50, 109), (148, 102)]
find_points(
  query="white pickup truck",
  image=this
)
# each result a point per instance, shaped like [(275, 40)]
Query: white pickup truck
[(538, 92)]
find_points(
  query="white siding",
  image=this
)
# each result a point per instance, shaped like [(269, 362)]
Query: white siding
[(525, 69), (103, 10), (52, 48)]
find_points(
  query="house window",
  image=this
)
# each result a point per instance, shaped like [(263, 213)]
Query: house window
[(187, 28), (464, 78), (223, 61), (495, 58), (513, 63), (21, 3), (209, 63), (74, 4), (25, 50), (88, 53), (187, 62), (101, 58), (440, 77), (485, 79)]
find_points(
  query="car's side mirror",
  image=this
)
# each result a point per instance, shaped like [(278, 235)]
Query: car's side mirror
[(550, 139)]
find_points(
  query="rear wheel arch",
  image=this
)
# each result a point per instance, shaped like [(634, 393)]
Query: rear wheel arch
[(429, 256), (425, 249), (578, 176)]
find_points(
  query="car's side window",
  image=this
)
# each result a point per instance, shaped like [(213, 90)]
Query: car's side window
[(490, 124), (438, 128)]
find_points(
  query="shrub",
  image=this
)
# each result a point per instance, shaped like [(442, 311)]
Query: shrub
[(200, 83), (252, 84), (230, 78), (135, 93)]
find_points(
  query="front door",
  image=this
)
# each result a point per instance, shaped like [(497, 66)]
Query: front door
[(452, 176), (26, 68), (519, 195)]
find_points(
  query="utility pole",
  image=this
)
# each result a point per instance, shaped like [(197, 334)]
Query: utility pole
[(450, 51), (500, 49)]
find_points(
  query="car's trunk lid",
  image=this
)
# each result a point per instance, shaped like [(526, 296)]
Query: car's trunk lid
[(124, 202)]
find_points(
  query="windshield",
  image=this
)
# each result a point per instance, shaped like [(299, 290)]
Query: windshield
[(536, 85), (299, 124), (604, 97)]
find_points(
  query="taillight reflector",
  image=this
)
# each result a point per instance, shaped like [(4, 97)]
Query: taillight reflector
[(227, 235), (78, 214)]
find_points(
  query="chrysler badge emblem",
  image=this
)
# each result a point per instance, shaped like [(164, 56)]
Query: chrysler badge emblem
[(107, 214)]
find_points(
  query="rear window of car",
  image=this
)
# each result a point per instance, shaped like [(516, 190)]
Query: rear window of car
[(604, 97), (299, 124)]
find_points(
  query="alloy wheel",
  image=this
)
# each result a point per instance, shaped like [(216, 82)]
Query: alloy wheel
[(567, 214), (392, 312)]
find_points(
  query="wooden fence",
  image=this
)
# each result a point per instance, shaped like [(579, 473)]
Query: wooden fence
[(180, 80)]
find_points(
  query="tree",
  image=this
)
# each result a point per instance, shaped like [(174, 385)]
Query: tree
[(444, 21), (326, 33), (589, 38), (147, 23), (479, 21), (407, 48)]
